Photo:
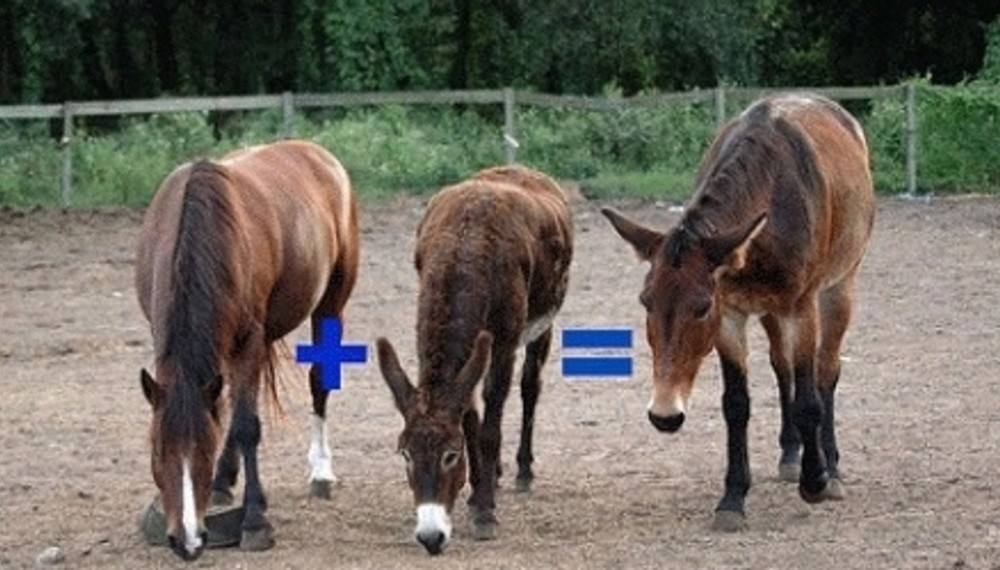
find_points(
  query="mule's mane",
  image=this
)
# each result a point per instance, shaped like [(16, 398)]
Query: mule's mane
[(200, 305), (761, 154)]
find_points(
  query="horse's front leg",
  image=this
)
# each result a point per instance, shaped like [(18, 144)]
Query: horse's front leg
[(482, 503), (257, 532), (788, 438), (227, 469), (732, 348)]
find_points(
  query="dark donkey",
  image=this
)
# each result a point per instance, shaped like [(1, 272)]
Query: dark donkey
[(493, 254), (232, 256), (777, 226)]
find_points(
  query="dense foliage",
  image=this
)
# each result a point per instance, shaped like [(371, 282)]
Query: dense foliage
[(59, 50)]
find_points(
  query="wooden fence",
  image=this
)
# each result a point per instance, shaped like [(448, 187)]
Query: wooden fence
[(509, 98)]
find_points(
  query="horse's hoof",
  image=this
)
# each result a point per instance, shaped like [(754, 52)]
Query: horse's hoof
[(789, 472), (834, 490), (523, 484), (257, 540), (729, 521), (221, 498), (320, 489)]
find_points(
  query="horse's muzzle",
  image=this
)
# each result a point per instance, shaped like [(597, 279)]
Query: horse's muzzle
[(178, 547), (669, 424), (433, 541)]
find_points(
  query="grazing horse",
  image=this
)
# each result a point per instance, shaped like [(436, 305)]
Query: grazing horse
[(777, 226), (232, 256), (493, 255)]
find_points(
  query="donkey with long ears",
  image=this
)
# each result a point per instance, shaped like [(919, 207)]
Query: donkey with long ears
[(493, 255), (232, 256), (778, 224)]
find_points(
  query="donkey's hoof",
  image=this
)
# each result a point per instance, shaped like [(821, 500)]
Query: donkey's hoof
[(523, 484), (789, 472), (257, 540), (484, 524), (221, 498), (729, 521), (320, 489)]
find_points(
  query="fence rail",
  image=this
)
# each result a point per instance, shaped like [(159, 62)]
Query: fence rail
[(509, 98)]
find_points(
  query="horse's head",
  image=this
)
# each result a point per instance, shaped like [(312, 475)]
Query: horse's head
[(184, 437), (682, 304), (432, 441)]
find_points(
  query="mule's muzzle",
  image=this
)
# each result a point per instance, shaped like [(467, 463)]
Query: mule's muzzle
[(180, 549), (669, 424), (433, 541)]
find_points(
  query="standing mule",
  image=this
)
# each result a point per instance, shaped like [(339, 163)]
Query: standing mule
[(233, 255), (778, 224), (493, 254)]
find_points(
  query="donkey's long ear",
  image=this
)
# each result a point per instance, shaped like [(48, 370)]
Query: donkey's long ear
[(645, 240), (154, 392), (472, 373), (392, 372), (729, 250)]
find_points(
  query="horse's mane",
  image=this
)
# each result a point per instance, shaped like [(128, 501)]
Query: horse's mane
[(203, 279)]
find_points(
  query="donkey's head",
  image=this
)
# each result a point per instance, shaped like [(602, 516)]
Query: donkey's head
[(433, 442)]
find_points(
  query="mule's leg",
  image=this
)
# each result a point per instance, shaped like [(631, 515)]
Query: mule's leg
[(788, 439), (257, 531), (835, 310), (732, 348), (226, 471), (483, 500), (535, 355), (807, 409)]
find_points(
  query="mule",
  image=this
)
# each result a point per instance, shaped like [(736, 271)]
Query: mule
[(232, 256), (493, 256), (779, 221)]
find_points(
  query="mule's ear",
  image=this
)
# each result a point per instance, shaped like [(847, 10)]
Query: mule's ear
[(730, 249), (150, 389), (472, 373), (645, 240), (392, 372)]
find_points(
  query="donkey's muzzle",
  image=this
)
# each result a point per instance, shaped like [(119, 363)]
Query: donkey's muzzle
[(669, 424), (433, 541)]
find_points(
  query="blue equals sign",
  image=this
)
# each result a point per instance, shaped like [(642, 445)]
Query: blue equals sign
[(601, 350)]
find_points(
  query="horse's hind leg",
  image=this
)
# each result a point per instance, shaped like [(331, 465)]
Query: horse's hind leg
[(536, 353), (835, 315), (788, 438)]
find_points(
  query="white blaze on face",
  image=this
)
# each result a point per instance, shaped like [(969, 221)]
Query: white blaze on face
[(189, 511), (433, 518)]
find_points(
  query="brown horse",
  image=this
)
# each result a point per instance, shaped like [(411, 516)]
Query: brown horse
[(232, 256), (493, 254), (778, 224)]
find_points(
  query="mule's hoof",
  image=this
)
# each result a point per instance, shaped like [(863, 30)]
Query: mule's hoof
[(729, 521), (320, 489), (815, 493), (257, 540), (789, 472), (221, 498), (523, 484)]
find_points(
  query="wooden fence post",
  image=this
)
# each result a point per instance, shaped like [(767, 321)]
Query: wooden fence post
[(911, 139), (287, 115), (509, 127), (720, 105), (66, 146)]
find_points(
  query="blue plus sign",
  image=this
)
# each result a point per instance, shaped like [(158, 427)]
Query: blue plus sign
[(328, 353)]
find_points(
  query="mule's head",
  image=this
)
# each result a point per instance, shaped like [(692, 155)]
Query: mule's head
[(432, 441), (184, 438), (682, 304)]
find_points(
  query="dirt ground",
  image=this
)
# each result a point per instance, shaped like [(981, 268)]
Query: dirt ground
[(919, 417)]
